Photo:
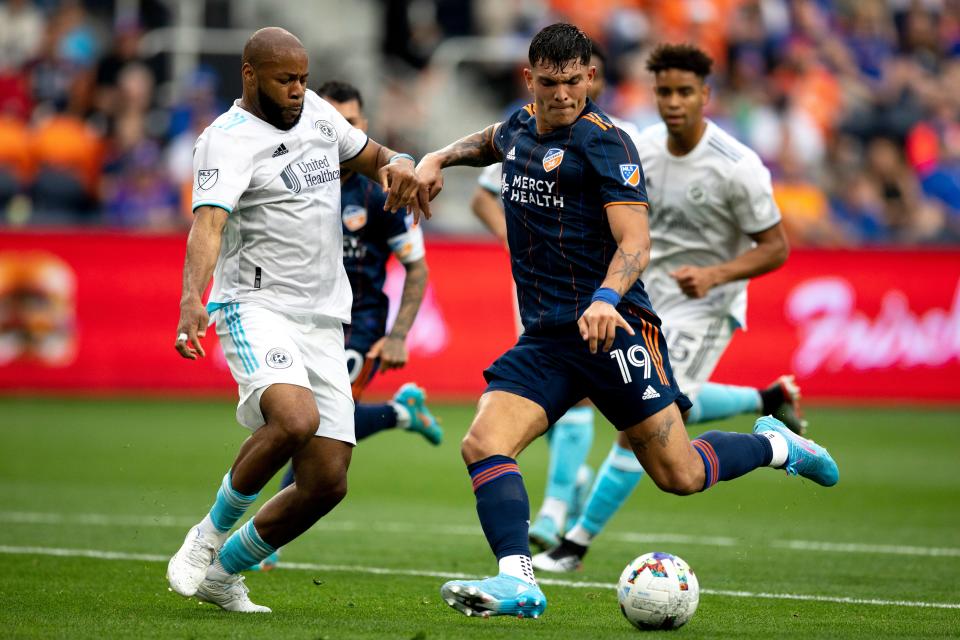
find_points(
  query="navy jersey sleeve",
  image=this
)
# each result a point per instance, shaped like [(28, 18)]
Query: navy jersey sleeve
[(390, 224), (501, 135), (616, 163)]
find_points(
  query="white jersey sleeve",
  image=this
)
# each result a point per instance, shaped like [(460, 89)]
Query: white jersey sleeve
[(490, 178), (221, 170), (408, 246), (750, 196), (350, 140)]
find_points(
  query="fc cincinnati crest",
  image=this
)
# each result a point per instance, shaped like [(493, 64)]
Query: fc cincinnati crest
[(552, 159), (354, 217), (279, 358), (206, 178), (630, 174), (327, 132)]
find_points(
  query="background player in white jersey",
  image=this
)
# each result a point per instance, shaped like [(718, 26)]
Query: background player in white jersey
[(713, 225), (569, 478), (267, 226)]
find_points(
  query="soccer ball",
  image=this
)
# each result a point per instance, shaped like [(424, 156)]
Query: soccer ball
[(658, 591)]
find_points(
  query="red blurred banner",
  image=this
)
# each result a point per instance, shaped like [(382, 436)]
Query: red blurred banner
[(96, 312)]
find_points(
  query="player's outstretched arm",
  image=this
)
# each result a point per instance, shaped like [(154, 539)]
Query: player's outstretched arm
[(395, 173), (203, 247), (392, 348), (630, 229), (475, 150), (770, 252)]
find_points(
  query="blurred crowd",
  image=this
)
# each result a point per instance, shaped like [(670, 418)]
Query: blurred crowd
[(848, 102)]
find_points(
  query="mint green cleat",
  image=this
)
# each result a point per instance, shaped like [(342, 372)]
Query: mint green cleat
[(804, 457), (544, 533), (413, 399), (500, 595)]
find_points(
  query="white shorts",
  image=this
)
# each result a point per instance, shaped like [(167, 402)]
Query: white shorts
[(265, 347), (695, 342)]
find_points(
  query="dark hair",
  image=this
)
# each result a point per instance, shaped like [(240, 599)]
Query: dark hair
[(558, 45), (684, 57), (340, 92)]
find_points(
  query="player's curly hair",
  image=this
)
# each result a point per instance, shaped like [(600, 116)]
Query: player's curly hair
[(684, 57), (340, 91), (558, 45)]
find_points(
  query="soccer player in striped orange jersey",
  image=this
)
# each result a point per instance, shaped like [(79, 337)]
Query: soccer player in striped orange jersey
[(576, 215)]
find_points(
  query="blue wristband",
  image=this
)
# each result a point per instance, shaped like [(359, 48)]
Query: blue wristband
[(399, 156), (606, 294)]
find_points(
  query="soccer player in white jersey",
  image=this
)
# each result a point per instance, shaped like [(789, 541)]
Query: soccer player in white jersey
[(569, 479), (267, 227), (713, 226)]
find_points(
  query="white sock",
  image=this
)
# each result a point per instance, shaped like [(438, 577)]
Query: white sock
[(519, 567), (210, 531), (780, 448), (217, 572), (403, 415), (555, 509), (579, 535)]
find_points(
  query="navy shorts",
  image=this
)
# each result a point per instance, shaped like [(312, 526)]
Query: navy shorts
[(362, 369), (555, 369)]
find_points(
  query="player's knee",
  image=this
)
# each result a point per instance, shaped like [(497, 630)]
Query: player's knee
[(475, 447), (680, 481), (297, 428)]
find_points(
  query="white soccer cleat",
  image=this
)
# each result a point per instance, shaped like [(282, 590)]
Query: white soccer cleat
[(188, 567), (229, 595)]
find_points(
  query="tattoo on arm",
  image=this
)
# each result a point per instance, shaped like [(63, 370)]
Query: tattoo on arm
[(475, 150), (627, 267), (414, 286)]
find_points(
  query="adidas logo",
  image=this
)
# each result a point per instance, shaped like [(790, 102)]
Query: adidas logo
[(512, 154), (650, 393), (282, 149)]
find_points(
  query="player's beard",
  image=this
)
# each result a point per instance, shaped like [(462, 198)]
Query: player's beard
[(274, 113)]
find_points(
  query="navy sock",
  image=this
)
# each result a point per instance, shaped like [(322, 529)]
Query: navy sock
[(730, 455), (373, 418), (502, 505)]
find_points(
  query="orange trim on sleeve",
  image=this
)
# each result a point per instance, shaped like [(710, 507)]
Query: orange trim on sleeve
[(610, 204)]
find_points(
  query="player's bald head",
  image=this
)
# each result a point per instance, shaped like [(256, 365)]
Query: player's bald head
[(269, 45)]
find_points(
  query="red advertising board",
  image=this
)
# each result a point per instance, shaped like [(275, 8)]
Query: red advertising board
[(96, 312)]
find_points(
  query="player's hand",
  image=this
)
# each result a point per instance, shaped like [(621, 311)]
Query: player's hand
[(430, 174), (392, 352), (599, 323), (399, 182), (695, 282), (192, 327)]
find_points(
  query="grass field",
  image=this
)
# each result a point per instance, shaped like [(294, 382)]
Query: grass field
[(96, 495)]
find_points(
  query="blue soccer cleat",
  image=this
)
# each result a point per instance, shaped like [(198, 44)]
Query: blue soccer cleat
[(413, 399), (544, 533), (500, 595), (804, 457)]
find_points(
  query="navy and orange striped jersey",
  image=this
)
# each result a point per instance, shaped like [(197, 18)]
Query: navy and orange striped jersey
[(555, 189)]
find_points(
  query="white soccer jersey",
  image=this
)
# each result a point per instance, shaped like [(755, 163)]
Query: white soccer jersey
[(703, 205), (283, 243)]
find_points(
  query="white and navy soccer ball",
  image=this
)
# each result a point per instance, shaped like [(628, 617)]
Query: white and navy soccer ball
[(658, 591)]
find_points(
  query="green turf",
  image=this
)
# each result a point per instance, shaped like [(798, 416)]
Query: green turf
[(150, 468)]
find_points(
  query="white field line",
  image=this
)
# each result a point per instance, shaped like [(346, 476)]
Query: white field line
[(99, 519), (443, 575)]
